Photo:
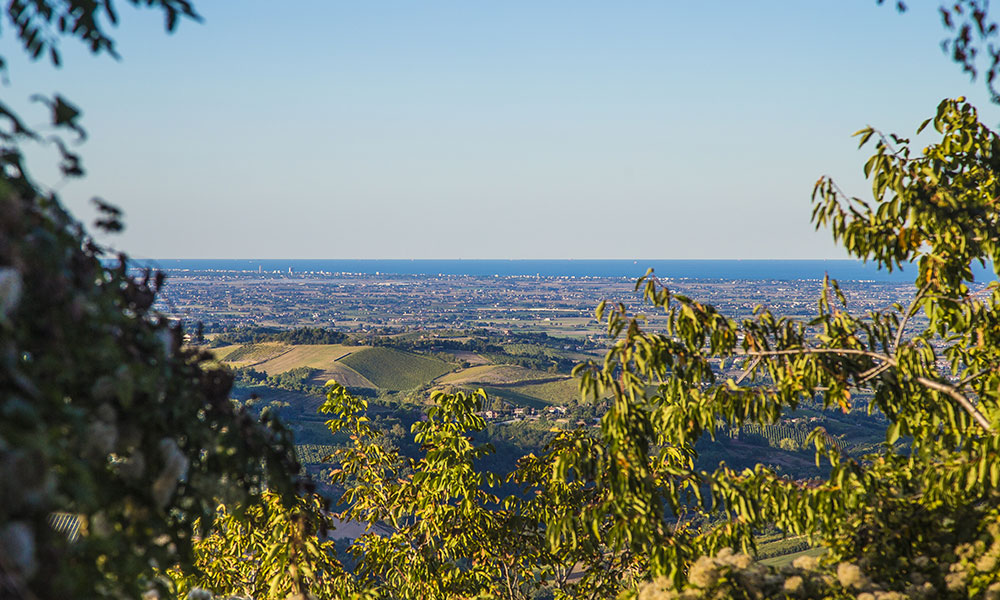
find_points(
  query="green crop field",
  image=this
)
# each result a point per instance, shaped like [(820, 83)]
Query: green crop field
[(781, 546), (392, 369), (222, 352), (536, 395), (311, 454)]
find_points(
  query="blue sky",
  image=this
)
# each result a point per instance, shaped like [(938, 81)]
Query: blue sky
[(475, 129)]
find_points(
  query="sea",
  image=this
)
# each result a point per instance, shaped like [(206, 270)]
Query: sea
[(776, 270)]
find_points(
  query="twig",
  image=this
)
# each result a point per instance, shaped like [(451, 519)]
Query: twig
[(962, 400), (753, 365), (910, 311), (977, 375), (873, 372), (840, 351)]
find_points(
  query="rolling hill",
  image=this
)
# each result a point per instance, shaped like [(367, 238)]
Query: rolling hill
[(392, 369)]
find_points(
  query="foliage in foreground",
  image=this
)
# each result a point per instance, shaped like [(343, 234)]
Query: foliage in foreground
[(103, 413)]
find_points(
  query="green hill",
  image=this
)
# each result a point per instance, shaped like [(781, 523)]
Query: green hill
[(392, 369)]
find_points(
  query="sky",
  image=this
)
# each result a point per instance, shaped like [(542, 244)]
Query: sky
[(475, 129)]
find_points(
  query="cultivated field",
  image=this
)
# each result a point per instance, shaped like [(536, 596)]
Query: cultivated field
[(344, 375), (245, 355), (560, 392), (392, 369), (314, 357)]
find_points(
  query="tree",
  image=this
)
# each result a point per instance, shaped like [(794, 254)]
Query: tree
[(104, 416), (919, 516), (272, 550), (626, 507)]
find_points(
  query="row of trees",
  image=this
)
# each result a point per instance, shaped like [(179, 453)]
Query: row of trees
[(297, 336)]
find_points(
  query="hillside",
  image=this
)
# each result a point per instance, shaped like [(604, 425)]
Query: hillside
[(391, 369), (315, 357), (495, 375), (246, 355)]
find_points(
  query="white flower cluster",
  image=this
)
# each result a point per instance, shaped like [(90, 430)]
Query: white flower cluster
[(17, 548), (729, 575), (174, 469), (203, 594), (102, 433), (977, 561), (10, 291)]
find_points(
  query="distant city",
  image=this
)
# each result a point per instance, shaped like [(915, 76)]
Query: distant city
[(557, 305)]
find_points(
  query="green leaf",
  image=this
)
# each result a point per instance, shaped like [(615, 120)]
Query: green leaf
[(892, 433)]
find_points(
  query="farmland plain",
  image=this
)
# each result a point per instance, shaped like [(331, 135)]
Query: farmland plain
[(395, 339)]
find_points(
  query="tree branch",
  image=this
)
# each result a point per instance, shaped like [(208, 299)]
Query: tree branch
[(838, 351), (974, 376), (753, 365), (910, 311), (957, 397)]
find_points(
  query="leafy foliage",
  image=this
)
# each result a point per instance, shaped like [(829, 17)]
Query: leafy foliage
[(296, 380), (269, 551), (937, 386), (105, 415), (624, 510), (39, 24)]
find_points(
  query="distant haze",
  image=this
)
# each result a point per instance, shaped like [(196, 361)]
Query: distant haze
[(514, 129), (781, 270)]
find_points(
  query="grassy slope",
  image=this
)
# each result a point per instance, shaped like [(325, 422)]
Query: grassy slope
[(560, 392), (251, 354), (344, 375), (392, 369), (517, 385), (273, 359), (315, 357), (222, 352), (515, 397)]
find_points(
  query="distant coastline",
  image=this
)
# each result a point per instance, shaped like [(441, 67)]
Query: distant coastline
[(780, 270)]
